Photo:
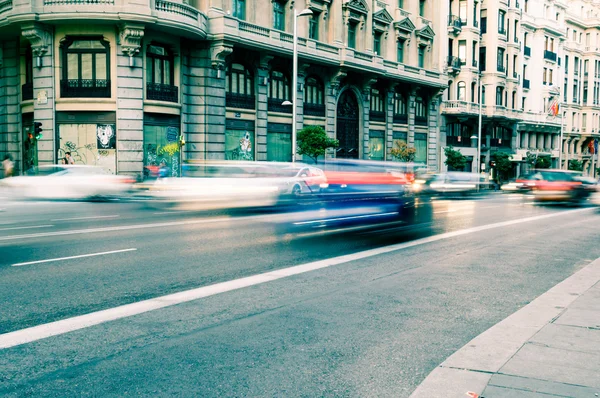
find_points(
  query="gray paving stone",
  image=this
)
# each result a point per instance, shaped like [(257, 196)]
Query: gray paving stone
[(569, 338), (504, 392), (525, 387), (586, 318)]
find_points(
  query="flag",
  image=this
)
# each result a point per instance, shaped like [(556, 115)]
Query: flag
[(554, 108), (593, 147)]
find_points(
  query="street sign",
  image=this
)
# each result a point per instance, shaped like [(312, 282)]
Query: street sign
[(42, 97)]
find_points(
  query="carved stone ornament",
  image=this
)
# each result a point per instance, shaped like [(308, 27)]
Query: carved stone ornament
[(39, 37), (218, 52), (368, 84), (336, 80), (1, 57), (264, 62), (130, 39)]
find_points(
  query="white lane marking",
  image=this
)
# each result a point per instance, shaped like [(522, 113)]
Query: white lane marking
[(31, 227), (125, 228), (56, 328), (488, 207), (73, 257), (84, 218), (444, 211)]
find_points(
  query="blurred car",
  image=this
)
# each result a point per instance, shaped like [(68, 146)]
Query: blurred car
[(449, 183), (558, 186), (214, 185), (69, 182)]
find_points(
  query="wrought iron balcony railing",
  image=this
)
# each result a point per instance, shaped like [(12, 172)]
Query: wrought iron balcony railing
[(85, 88), (314, 109), (276, 105), (162, 92), (242, 101)]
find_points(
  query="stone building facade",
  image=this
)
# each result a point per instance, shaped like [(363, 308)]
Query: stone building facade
[(128, 84)]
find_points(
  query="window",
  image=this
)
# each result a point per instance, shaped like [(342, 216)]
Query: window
[(566, 64), (314, 94), (514, 68), (545, 76), (523, 100), (400, 3), (574, 38), (239, 9), (352, 35), (585, 92), (516, 34), (279, 91), (462, 11), (526, 6), (550, 78), (575, 91), (400, 50), (422, 4), (420, 111), (160, 83), (461, 92), (483, 95), (587, 39), (474, 52), (507, 28), (501, 22), (514, 99), (462, 51), (583, 121), (27, 89), (377, 43), (278, 15), (473, 89), (483, 25), (557, 17), (421, 56), (313, 26), (377, 110), (400, 108), (475, 14), (482, 57), (565, 90), (239, 87), (421, 148), (500, 60), (585, 67), (377, 145), (499, 94), (85, 67)]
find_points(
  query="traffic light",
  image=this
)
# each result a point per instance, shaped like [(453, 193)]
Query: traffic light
[(37, 130), (492, 163)]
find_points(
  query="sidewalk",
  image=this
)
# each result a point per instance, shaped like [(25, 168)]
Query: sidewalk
[(549, 348)]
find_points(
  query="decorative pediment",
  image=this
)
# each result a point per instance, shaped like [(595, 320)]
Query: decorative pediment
[(426, 32), (405, 26), (355, 10), (318, 5), (383, 17)]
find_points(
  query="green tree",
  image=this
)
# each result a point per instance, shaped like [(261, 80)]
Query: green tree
[(575, 165), (503, 165), (543, 162), (313, 142), (403, 152), (454, 159)]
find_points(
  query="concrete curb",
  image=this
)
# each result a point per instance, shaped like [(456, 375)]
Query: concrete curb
[(471, 367)]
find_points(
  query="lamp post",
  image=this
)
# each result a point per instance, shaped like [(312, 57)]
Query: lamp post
[(303, 13), (479, 126)]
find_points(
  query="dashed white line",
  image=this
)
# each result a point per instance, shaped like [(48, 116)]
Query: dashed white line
[(43, 331), (444, 211), (73, 257), (31, 227), (85, 218)]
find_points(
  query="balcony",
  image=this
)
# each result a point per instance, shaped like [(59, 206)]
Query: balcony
[(85, 88), (27, 91), (550, 56), (458, 141), (314, 109), (241, 101), (527, 51), (377, 116), (162, 92), (421, 120), (454, 24), (454, 64), (400, 118), (455, 107), (275, 105)]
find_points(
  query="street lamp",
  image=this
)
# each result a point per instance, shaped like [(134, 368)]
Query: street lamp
[(302, 13)]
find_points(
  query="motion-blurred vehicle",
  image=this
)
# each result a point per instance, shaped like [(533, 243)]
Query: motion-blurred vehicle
[(450, 183), (558, 186), (214, 185), (69, 182)]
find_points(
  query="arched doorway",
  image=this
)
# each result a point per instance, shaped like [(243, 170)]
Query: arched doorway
[(347, 128)]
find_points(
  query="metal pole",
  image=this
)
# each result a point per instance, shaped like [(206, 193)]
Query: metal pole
[(294, 85), (479, 127)]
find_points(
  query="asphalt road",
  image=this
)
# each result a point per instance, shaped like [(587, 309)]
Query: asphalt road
[(369, 325)]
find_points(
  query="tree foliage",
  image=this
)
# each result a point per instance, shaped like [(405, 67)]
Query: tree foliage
[(454, 159), (313, 142), (403, 152), (503, 165), (575, 165), (543, 162)]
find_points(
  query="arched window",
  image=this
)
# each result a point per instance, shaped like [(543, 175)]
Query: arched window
[(461, 93), (85, 67), (314, 97), (400, 108), (239, 87), (160, 75), (377, 110), (279, 91), (420, 111)]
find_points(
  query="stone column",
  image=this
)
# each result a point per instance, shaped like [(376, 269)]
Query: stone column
[(366, 101), (332, 91), (433, 135), (41, 39), (532, 141), (389, 125), (524, 139), (540, 140), (214, 98), (130, 100), (192, 110), (411, 117), (10, 109), (262, 92)]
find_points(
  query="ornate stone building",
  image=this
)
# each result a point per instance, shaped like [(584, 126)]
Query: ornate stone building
[(123, 83)]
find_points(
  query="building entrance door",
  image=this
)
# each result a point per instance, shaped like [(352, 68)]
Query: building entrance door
[(347, 128)]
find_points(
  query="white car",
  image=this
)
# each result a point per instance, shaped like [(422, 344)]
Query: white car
[(68, 182)]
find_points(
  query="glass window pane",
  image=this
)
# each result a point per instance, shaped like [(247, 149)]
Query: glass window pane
[(241, 84), (86, 66), (101, 67), (249, 88), (72, 66), (167, 75), (149, 72), (376, 148), (87, 44), (234, 83), (158, 70)]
